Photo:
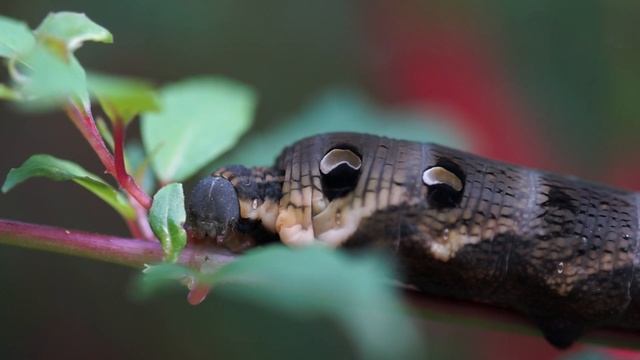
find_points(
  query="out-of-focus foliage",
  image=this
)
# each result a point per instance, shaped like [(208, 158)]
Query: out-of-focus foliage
[(557, 58), (139, 166), (8, 93), (340, 110), (316, 285), (15, 38), (123, 98), (199, 119), (42, 64), (105, 132), (70, 30), (51, 80)]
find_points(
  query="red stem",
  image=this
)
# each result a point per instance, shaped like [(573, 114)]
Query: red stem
[(133, 228), (83, 120), (87, 126), (142, 223), (121, 175), (119, 130), (131, 187)]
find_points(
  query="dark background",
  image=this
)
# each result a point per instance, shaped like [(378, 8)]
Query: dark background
[(546, 83)]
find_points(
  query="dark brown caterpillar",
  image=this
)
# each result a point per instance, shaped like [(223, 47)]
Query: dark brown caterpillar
[(558, 249)]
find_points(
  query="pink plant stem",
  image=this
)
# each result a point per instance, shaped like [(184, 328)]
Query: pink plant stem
[(119, 131), (134, 190), (121, 175), (142, 222), (83, 119), (132, 224), (84, 122), (124, 251), (87, 126)]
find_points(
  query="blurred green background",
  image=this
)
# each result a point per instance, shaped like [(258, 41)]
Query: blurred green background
[(541, 83)]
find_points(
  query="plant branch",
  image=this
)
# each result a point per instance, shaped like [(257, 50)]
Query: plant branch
[(83, 119), (132, 225), (124, 179), (119, 131), (137, 197), (123, 251), (84, 122), (141, 222)]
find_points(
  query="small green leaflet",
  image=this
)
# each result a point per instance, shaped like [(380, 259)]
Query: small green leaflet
[(42, 165), (166, 217), (15, 38), (71, 29), (123, 98), (199, 120)]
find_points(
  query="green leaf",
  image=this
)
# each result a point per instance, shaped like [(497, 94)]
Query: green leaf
[(138, 165), (53, 75), (43, 165), (340, 110), (318, 285), (123, 98), (200, 119), (166, 217), (104, 131), (159, 277), (15, 38), (71, 29), (8, 93), (52, 80)]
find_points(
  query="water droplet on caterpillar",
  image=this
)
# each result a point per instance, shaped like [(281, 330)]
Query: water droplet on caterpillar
[(560, 268)]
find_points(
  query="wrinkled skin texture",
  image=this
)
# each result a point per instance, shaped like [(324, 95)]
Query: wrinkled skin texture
[(560, 250)]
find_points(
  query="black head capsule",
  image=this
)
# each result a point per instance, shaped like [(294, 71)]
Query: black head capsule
[(213, 209)]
